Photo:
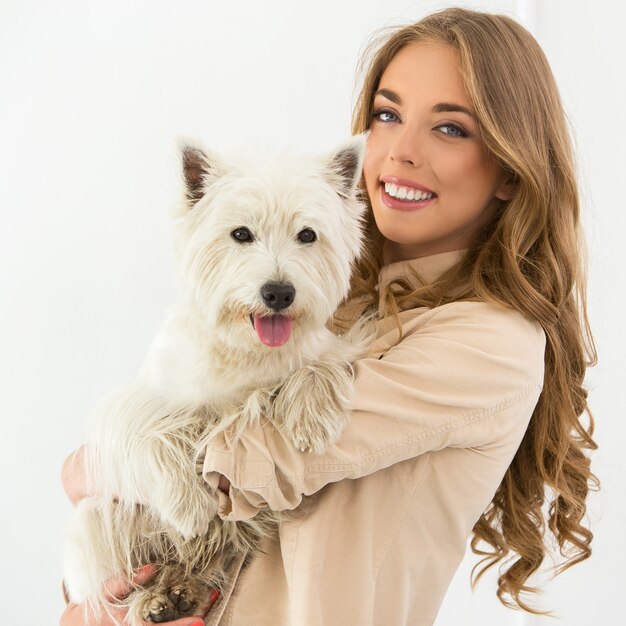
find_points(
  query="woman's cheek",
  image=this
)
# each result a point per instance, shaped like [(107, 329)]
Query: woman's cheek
[(368, 168)]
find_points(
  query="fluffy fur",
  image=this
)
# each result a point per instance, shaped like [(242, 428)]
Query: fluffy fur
[(210, 371)]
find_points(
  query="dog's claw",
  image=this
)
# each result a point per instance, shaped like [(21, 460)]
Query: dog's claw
[(169, 605)]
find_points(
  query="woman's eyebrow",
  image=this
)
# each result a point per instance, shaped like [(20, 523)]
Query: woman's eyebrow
[(390, 95), (451, 107)]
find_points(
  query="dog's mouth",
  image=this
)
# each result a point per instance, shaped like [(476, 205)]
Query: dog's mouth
[(272, 330)]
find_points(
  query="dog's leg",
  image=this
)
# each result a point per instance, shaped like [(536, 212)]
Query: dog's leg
[(106, 538), (142, 451), (311, 406), (88, 561)]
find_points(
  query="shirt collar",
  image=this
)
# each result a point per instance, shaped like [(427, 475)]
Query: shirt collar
[(429, 267)]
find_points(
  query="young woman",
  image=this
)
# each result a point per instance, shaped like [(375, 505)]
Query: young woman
[(470, 401)]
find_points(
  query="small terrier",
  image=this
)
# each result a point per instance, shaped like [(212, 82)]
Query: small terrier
[(266, 250)]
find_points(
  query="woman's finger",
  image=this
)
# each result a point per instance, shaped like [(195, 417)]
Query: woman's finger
[(185, 621), (199, 619), (74, 615), (224, 484), (118, 588)]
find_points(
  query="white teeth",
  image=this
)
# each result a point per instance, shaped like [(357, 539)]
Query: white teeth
[(406, 193)]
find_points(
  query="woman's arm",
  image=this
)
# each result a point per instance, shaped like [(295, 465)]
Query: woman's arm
[(462, 379)]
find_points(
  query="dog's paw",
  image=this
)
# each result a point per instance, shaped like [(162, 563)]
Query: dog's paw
[(255, 406), (189, 511), (309, 435), (311, 407), (160, 609), (192, 523), (176, 602), (165, 604)]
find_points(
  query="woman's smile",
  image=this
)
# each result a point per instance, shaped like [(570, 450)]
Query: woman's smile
[(404, 195)]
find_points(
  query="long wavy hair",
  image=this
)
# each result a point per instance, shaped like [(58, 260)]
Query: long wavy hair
[(530, 257)]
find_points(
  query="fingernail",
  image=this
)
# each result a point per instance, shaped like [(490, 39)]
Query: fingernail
[(197, 623), (214, 596)]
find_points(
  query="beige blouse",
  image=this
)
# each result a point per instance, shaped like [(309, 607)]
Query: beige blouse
[(436, 420)]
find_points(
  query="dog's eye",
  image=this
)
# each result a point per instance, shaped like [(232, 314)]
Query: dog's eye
[(307, 235), (242, 234)]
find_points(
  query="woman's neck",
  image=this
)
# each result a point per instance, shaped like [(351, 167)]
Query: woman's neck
[(394, 252)]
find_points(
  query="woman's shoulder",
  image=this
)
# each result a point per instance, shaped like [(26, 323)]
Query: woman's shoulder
[(503, 333), (471, 315), (480, 314)]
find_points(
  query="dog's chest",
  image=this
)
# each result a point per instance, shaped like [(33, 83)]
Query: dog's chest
[(195, 372)]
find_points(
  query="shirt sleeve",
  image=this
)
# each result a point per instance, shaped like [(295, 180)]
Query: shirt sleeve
[(462, 379)]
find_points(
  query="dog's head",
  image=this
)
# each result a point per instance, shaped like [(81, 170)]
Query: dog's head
[(267, 244)]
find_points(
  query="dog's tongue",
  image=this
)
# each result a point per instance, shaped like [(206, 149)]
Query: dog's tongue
[(273, 331)]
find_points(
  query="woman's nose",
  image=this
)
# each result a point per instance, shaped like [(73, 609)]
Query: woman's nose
[(406, 148)]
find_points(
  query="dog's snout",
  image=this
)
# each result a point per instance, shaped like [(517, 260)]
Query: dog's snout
[(278, 296)]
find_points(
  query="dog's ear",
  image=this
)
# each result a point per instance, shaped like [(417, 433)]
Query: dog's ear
[(199, 168), (345, 165)]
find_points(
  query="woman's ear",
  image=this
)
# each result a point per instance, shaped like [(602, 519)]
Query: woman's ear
[(506, 190)]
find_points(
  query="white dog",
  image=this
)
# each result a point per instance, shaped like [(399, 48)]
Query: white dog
[(266, 250)]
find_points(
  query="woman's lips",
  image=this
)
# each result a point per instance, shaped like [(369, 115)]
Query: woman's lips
[(403, 205)]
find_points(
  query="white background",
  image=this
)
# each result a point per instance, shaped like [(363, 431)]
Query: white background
[(92, 97)]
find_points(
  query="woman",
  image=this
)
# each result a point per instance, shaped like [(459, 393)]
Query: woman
[(468, 404)]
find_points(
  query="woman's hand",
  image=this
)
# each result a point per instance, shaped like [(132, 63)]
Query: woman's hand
[(117, 589), (73, 476), (224, 484)]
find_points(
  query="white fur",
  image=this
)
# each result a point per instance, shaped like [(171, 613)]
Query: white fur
[(207, 370)]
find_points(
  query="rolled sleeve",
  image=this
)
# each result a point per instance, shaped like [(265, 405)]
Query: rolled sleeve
[(464, 376)]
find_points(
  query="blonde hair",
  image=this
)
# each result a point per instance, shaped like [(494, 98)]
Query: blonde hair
[(530, 257)]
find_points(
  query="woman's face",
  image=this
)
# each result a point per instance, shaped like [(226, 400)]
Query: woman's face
[(431, 182)]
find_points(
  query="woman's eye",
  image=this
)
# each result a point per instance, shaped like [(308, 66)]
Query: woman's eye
[(242, 235), (385, 116), (452, 130), (307, 235)]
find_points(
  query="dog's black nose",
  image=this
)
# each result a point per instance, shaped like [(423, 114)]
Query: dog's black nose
[(278, 296)]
